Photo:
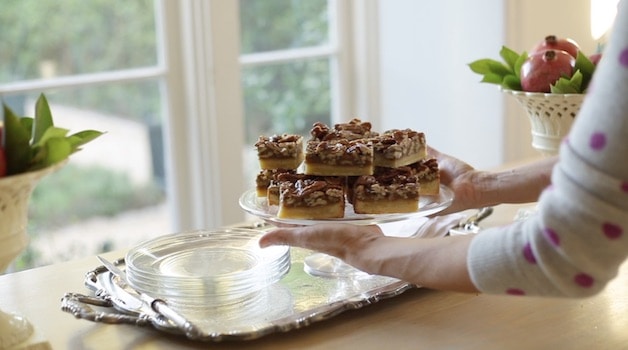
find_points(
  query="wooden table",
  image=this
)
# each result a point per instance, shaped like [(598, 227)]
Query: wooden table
[(417, 319)]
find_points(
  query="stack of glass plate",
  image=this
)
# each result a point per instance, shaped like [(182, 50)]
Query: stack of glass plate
[(223, 268)]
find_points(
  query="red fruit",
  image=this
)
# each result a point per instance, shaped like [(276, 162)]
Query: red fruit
[(542, 69), (3, 162), (3, 157), (551, 42), (595, 58)]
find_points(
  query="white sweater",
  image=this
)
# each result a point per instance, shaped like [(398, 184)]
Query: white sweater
[(578, 239)]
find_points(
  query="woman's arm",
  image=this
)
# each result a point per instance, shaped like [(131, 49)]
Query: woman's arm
[(438, 263), (474, 188)]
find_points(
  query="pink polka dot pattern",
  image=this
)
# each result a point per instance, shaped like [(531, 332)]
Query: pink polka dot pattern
[(528, 254), (515, 291), (583, 280), (624, 187), (552, 236), (612, 231), (597, 141), (623, 58)]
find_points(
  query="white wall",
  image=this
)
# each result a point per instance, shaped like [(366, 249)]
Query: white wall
[(425, 81), (426, 84)]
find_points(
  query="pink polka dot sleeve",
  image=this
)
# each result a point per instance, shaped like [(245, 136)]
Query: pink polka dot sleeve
[(579, 238)]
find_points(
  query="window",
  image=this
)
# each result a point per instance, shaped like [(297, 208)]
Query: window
[(183, 89), (100, 67), (289, 63), (245, 79)]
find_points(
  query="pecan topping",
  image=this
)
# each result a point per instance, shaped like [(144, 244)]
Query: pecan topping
[(426, 170), (387, 183), (395, 143), (311, 191), (355, 129), (279, 146), (339, 152)]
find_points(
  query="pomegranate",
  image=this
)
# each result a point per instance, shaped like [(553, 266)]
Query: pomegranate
[(3, 162), (552, 42), (595, 58), (542, 69), (3, 157)]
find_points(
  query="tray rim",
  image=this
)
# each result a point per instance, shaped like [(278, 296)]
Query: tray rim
[(94, 281)]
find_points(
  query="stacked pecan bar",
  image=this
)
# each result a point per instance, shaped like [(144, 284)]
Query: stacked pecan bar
[(376, 173)]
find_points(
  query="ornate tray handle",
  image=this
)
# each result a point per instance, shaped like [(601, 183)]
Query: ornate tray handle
[(80, 306)]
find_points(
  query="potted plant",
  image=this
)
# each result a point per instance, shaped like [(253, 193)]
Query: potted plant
[(30, 149), (549, 83)]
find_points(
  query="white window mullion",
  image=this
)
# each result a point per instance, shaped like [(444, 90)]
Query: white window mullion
[(282, 56), (361, 37), (206, 115), (340, 89)]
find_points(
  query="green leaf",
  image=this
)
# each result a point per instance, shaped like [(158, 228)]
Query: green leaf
[(506, 73), (35, 143), (586, 67), (492, 78), (512, 82), (27, 123), (518, 63), (83, 137), (43, 118), (577, 79), (566, 85), (49, 133), (17, 143), (487, 65), (509, 56), (53, 151)]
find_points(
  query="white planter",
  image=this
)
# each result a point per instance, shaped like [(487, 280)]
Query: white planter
[(550, 115), (15, 193)]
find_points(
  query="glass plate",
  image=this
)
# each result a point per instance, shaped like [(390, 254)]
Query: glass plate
[(211, 265), (428, 205)]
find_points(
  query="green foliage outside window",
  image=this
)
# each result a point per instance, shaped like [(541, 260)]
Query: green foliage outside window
[(70, 37), (286, 97)]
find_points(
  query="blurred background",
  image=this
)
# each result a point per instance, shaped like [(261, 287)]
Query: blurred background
[(184, 88)]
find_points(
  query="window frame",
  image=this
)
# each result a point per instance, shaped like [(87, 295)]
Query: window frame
[(200, 83), (205, 81)]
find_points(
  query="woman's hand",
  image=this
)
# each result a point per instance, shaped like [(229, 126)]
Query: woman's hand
[(474, 189), (459, 177), (429, 262), (350, 243)]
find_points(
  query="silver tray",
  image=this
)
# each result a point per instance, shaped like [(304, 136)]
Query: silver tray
[(294, 302)]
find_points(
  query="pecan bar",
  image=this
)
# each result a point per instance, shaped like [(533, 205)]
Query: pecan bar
[(338, 158), (353, 130), (267, 178), (280, 151), (311, 197), (395, 148), (429, 176), (388, 190)]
